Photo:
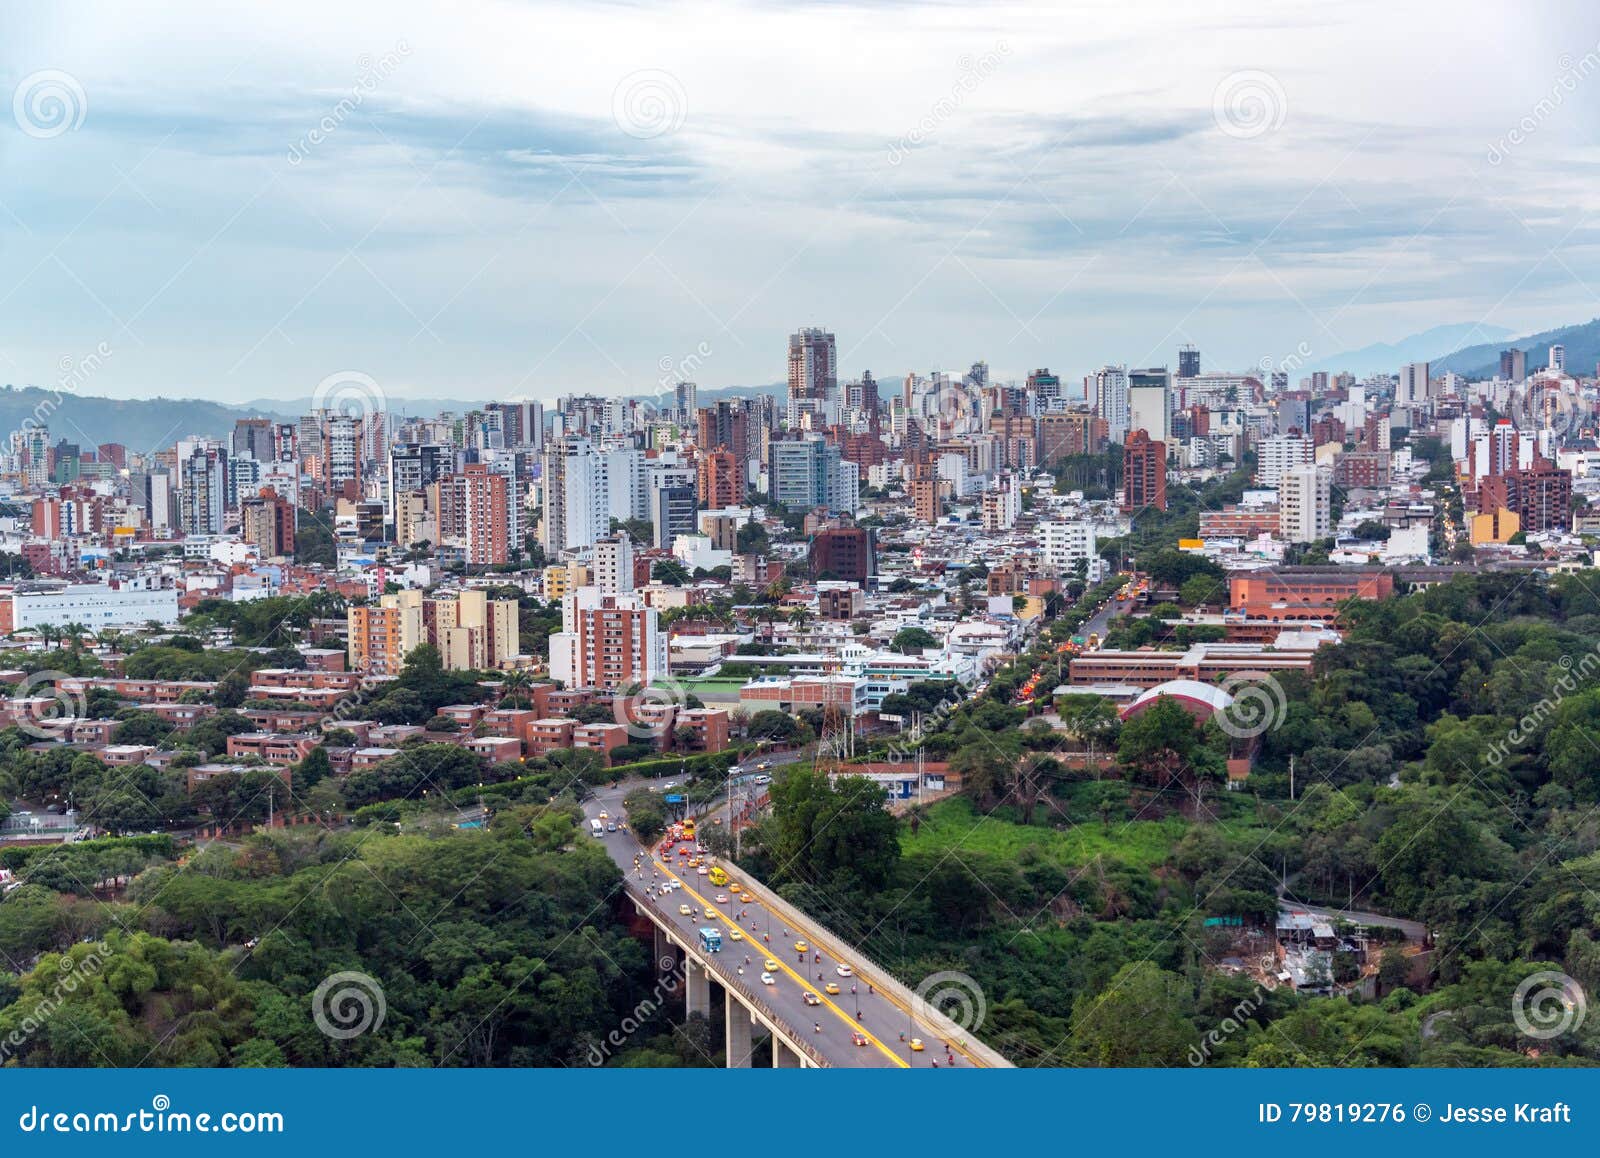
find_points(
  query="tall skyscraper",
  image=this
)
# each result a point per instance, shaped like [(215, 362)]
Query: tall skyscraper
[(474, 515), (1110, 398), (577, 507), (1188, 362), (1513, 365), (813, 370), (203, 490), (1413, 386), (253, 438), (1150, 402), (613, 564), (267, 523), (685, 402), (1558, 362), (1144, 472)]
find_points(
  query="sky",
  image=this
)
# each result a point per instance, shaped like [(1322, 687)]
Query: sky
[(485, 200)]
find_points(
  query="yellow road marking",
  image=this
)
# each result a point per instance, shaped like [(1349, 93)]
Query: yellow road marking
[(801, 981)]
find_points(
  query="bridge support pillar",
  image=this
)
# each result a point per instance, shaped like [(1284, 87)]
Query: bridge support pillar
[(783, 1058), (697, 989), (737, 1020), (666, 951)]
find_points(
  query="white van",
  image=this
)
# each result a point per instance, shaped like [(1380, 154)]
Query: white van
[(596, 829)]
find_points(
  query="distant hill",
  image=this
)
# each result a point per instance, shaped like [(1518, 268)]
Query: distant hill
[(1388, 357), (419, 407), (141, 425), (1483, 361)]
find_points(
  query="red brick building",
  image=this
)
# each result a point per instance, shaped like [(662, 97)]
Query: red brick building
[(1144, 473)]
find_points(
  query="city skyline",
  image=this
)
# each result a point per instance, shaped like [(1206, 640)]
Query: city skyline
[(933, 190)]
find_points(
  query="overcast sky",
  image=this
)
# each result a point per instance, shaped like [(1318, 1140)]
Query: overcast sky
[(482, 200)]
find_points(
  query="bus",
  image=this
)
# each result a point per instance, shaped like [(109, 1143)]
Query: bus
[(711, 940)]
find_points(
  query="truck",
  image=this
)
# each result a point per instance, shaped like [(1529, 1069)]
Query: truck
[(719, 876), (711, 940)]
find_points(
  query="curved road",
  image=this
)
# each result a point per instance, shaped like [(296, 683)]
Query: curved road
[(830, 1025)]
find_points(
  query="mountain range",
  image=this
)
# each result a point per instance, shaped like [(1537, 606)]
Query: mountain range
[(1428, 346)]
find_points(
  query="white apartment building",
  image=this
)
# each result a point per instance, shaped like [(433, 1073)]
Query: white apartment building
[(1305, 504), (1277, 454)]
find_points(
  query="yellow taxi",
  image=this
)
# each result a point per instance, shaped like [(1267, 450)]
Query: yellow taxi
[(735, 935), (771, 965), (801, 947), (711, 915), (831, 987), (746, 898), (684, 910), (916, 1045)]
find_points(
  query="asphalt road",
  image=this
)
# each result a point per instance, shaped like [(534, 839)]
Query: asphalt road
[(882, 1021)]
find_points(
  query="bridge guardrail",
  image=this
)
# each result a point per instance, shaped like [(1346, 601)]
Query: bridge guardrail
[(885, 981), (750, 996)]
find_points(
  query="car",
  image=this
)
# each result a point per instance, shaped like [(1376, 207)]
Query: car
[(684, 910), (810, 998), (611, 828), (768, 979), (858, 1039), (736, 887), (764, 765), (801, 947), (735, 935), (831, 988), (844, 971), (670, 784), (693, 860), (763, 780), (702, 870), (769, 964), (603, 814), (916, 1045), (747, 899), (722, 898), (712, 915)]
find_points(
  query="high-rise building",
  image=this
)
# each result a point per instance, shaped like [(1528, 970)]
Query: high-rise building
[(1144, 472), (1558, 362), (341, 451), (203, 490), (1413, 386), (474, 515), (1150, 402), (845, 553), (1305, 497), (1188, 362), (253, 438), (685, 396), (1044, 386), (725, 426), (1541, 496), (720, 480), (813, 369), (1280, 452), (577, 508), (672, 512), (267, 523), (810, 472), (381, 637), (1513, 365), (613, 564), (607, 641), (1110, 398)]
